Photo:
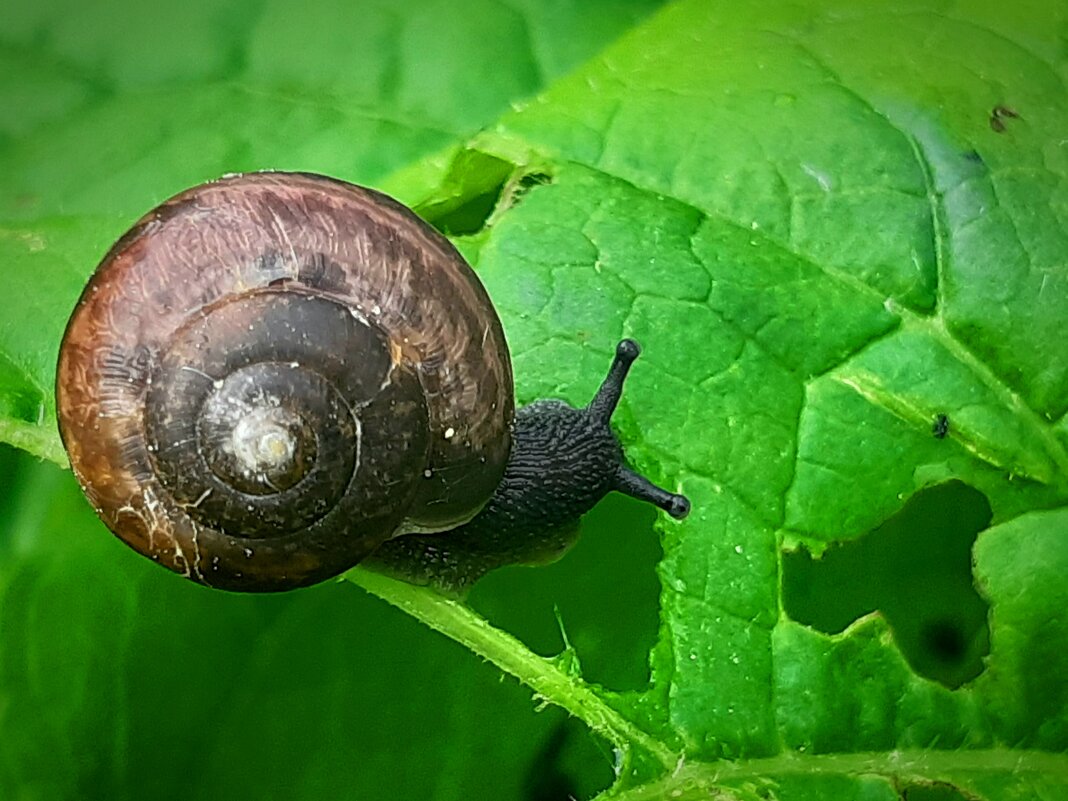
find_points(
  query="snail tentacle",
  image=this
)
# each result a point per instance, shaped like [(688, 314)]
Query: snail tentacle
[(564, 461)]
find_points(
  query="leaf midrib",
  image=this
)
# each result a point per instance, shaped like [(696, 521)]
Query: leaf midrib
[(460, 623), (912, 765)]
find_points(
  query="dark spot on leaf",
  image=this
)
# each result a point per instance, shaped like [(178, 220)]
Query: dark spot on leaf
[(940, 427), (527, 182), (18, 399), (998, 115), (973, 156), (944, 640), (916, 570), (472, 216)]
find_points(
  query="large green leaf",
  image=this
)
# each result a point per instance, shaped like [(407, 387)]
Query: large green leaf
[(838, 230)]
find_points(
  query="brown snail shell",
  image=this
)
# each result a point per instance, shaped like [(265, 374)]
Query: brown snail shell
[(270, 375)]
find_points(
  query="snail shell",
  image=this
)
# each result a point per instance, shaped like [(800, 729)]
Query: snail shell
[(270, 375)]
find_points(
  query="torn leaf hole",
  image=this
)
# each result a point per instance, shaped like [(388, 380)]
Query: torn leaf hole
[(469, 217), (468, 193), (916, 570), (477, 187), (528, 181)]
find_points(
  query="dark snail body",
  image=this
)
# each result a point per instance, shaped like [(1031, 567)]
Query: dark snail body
[(272, 375), (564, 461)]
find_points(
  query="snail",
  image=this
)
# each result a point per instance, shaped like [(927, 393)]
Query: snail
[(276, 376)]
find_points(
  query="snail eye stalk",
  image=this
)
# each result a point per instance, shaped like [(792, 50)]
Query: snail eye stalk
[(638, 486), (601, 409), (607, 398)]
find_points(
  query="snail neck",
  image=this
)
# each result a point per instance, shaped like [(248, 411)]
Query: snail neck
[(563, 461)]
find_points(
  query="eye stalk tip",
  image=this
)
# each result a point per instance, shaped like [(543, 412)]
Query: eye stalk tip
[(678, 507), (638, 486), (628, 350), (604, 402)]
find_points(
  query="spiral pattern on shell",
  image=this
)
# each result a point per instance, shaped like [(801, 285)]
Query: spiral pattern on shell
[(270, 375)]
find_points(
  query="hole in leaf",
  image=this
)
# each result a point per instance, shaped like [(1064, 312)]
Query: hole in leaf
[(916, 570), (615, 558), (526, 182), (470, 216), (477, 185)]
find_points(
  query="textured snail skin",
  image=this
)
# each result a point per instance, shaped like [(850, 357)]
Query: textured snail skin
[(564, 461), (276, 376)]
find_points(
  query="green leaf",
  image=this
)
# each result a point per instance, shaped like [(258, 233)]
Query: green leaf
[(830, 225)]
